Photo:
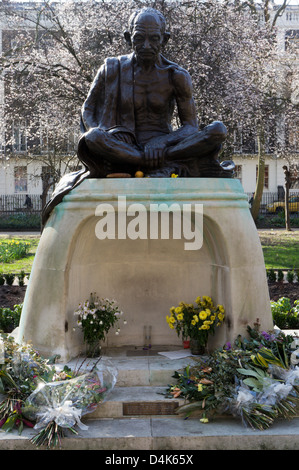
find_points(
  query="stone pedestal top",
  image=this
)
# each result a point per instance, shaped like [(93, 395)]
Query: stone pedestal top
[(147, 190)]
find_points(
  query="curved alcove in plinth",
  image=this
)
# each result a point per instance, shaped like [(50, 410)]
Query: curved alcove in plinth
[(145, 275)]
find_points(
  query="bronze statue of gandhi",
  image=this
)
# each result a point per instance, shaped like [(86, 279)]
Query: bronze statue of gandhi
[(126, 117)]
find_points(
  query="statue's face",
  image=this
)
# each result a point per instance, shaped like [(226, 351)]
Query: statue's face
[(147, 37)]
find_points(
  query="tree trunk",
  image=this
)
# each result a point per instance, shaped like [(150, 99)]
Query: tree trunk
[(44, 194), (260, 176), (287, 182)]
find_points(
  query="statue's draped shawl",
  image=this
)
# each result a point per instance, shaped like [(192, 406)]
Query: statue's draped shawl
[(109, 106), (109, 103)]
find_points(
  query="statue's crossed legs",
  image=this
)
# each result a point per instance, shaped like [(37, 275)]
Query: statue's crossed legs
[(104, 144)]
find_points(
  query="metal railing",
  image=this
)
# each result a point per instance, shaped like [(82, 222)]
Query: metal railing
[(273, 203), (13, 203)]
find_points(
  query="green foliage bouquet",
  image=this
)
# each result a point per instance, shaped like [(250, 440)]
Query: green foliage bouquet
[(256, 379), (96, 316), (21, 369), (196, 321)]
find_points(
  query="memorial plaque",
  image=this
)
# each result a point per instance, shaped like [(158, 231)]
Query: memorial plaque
[(149, 408)]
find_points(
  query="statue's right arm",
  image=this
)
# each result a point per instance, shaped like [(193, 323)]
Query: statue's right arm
[(94, 101)]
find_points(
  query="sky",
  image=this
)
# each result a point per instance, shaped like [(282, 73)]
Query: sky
[(277, 2)]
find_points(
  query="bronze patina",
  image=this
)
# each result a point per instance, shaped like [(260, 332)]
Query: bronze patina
[(127, 115)]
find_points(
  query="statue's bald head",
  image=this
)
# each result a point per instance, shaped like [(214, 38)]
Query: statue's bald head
[(145, 12), (146, 16)]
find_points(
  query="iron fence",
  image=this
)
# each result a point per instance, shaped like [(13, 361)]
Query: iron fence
[(274, 203), (14, 203)]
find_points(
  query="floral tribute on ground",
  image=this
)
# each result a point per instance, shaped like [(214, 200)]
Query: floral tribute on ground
[(255, 379), (34, 394)]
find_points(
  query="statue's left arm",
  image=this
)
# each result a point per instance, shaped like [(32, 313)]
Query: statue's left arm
[(186, 106)]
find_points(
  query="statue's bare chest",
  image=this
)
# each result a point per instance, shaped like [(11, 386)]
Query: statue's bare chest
[(152, 91)]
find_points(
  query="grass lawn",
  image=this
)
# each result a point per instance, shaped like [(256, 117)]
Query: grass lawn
[(280, 248)]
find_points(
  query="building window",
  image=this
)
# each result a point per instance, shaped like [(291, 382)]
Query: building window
[(293, 134), (72, 140), (294, 171), (20, 179), (293, 138), (266, 178), (44, 141), (237, 134), (292, 38), (19, 138), (292, 16), (238, 172), (244, 141)]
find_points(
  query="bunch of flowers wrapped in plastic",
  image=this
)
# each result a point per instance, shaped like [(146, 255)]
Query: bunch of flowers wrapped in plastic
[(95, 317), (56, 406), (20, 369), (35, 394), (196, 321), (256, 380)]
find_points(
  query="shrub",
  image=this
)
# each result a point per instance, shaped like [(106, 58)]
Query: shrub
[(290, 276), (10, 319), (9, 277), (20, 221), (21, 277), (276, 220), (284, 315), (271, 275), (280, 275)]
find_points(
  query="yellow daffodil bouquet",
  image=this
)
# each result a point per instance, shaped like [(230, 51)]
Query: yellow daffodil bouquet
[(196, 321)]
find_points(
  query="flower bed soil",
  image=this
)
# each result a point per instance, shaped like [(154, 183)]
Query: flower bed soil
[(284, 289), (13, 295)]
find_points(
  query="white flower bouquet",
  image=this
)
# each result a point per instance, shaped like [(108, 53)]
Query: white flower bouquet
[(95, 317), (57, 406)]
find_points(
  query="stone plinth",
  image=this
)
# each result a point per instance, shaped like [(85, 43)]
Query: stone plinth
[(145, 275)]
